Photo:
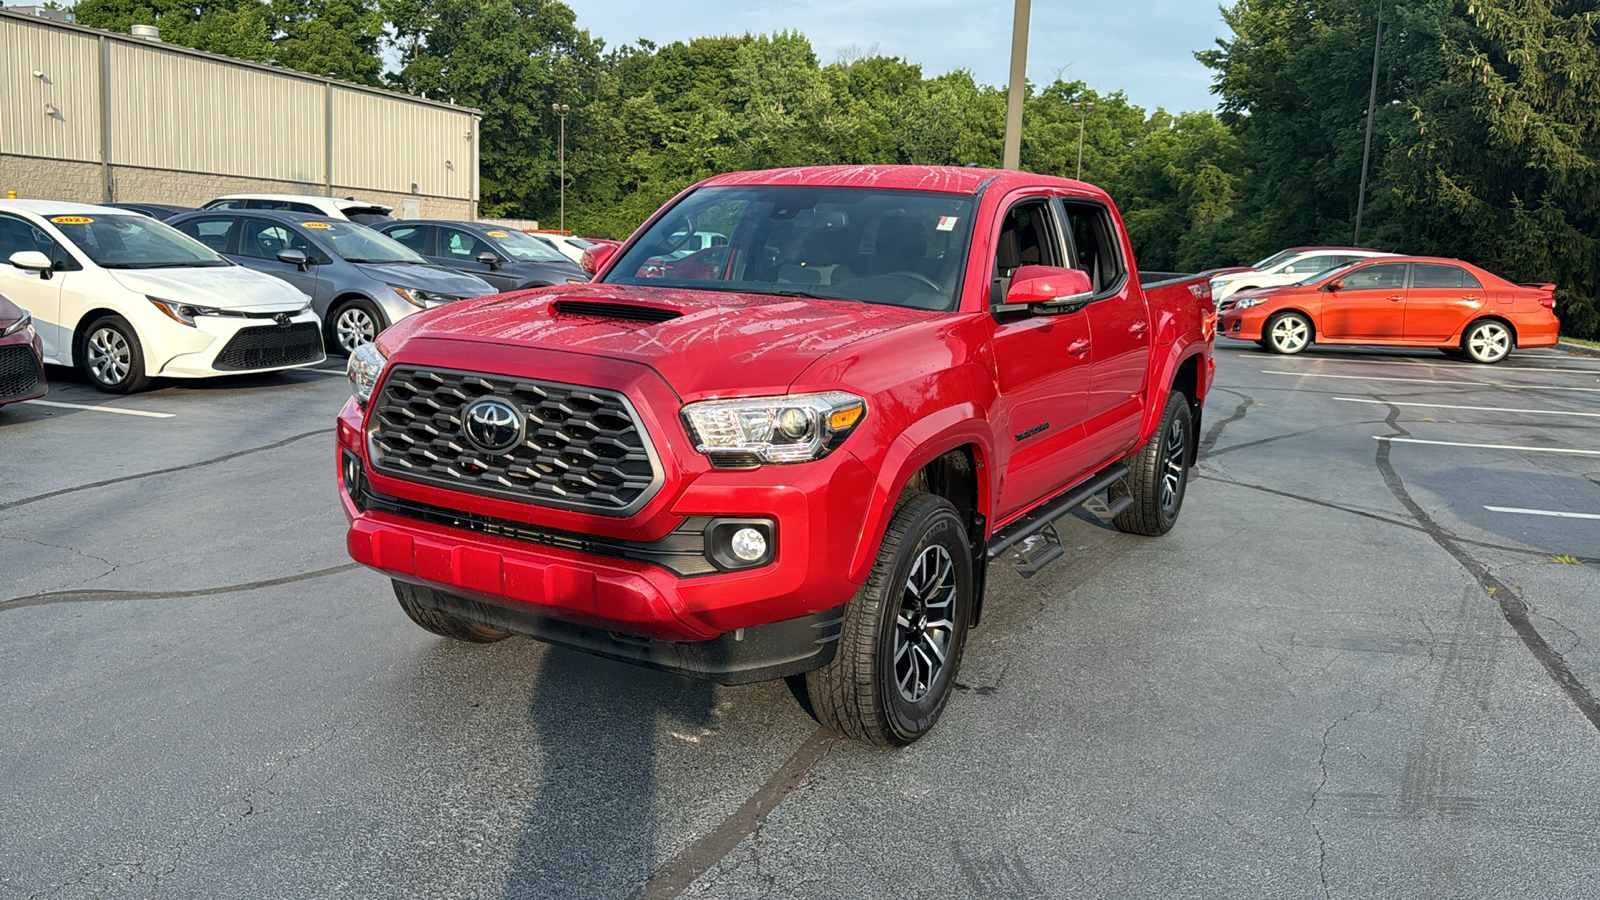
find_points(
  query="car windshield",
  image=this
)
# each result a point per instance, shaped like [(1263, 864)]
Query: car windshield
[(896, 248), (360, 244), (1276, 258), (525, 248), (1326, 273), (133, 241)]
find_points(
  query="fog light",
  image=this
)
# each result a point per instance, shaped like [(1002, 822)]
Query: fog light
[(748, 544)]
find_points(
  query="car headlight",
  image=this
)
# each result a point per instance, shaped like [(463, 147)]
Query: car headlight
[(182, 313), (421, 299), (1248, 302), (364, 368), (26, 322), (796, 428)]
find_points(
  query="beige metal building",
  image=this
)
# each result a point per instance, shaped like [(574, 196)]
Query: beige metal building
[(94, 116)]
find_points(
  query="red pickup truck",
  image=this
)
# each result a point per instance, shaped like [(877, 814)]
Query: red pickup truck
[(797, 453)]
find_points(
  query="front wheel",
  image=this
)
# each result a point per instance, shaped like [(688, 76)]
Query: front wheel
[(1487, 341), (1158, 474), (904, 632), (351, 324), (111, 356), (1289, 333)]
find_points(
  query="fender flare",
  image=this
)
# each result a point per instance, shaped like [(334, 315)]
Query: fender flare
[(930, 438), (1162, 382)]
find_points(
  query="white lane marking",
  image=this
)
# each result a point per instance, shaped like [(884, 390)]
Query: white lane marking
[(108, 409), (1512, 387), (1402, 440), (330, 371), (1444, 365), (1532, 412), (1542, 512)]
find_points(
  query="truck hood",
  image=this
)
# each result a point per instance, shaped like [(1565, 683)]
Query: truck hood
[(705, 343), (220, 287)]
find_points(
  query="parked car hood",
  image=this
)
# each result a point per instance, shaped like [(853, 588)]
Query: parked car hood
[(221, 287), (427, 278), (718, 343)]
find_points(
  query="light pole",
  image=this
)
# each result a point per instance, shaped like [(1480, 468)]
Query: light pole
[(1011, 153), (1083, 114), (1372, 107), (561, 110)]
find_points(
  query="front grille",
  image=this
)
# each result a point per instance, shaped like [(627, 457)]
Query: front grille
[(682, 552), (271, 347), (20, 375), (582, 448)]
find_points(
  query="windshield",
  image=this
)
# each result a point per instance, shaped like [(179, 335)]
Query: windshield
[(525, 248), (897, 248), (360, 244), (133, 241), (1276, 258), (1327, 272)]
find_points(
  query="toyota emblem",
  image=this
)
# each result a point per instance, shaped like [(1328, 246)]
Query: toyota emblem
[(493, 425), (282, 319)]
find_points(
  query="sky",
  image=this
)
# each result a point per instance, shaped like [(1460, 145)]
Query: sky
[(1144, 48)]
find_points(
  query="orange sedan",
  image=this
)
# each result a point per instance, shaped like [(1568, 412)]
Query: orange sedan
[(1406, 301)]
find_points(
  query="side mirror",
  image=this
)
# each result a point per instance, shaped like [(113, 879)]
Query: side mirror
[(1288, 270), (596, 257), (296, 258), (1335, 285), (33, 261), (490, 260), (1048, 289)]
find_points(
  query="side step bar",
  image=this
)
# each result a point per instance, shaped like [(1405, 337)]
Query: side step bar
[(1032, 540)]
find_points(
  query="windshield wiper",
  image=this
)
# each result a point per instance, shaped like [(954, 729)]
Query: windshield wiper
[(803, 295)]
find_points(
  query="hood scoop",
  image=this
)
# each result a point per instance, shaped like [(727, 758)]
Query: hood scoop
[(628, 311)]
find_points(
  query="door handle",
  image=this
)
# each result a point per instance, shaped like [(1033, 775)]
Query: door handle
[(1078, 347), (1395, 298), (1138, 328)]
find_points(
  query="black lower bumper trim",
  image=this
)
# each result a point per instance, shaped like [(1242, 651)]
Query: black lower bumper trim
[(748, 655)]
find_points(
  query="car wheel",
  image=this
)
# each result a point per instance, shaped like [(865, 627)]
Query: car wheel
[(443, 624), (351, 324), (1487, 341), (1158, 474), (111, 356), (1289, 333), (904, 631)]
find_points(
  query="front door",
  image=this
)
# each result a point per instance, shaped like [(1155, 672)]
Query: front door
[(39, 296), (260, 242), (459, 250), (1371, 306)]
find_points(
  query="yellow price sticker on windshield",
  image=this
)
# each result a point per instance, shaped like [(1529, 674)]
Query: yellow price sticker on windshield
[(318, 225), (496, 234), (73, 220)]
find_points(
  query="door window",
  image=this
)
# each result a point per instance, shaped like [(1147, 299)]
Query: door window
[(1310, 265), (214, 233), (413, 236), (1094, 245), (1387, 275), (1027, 238), (1436, 275), (459, 245), (262, 239), (17, 235)]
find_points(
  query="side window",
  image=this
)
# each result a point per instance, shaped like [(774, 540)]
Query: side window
[(265, 240), (304, 208), (1095, 248), (1311, 265), (1437, 275), (268, 204), (414, 237), (214, 233), (225, 204), (1386, 275), (18, 235), (460, 245)]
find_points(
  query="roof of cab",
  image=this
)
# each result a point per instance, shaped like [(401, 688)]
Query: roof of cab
[(946, 179)]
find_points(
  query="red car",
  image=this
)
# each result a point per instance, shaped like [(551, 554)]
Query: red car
[(21, 356), (1399, 301)]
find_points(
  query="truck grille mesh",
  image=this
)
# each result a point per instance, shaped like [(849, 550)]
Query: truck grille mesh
[(582, 448), (271, 347), (20, 375)]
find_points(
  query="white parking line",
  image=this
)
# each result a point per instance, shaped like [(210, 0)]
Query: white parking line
[(1456, 366), (1531, 412), (1403, 440), (107, 409), (329, 371), (1542, 512), (1513, 387)]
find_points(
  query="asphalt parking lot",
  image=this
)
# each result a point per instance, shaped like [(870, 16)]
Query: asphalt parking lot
[(1364, 664)]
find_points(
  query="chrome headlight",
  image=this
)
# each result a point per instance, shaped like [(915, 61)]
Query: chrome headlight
[(421, 299), (364, 368), (790, 429), (182, 313), (1248, 302), (24, 323)]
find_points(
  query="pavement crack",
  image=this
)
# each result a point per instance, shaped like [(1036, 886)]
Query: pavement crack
[(110, 566), (54, 597), (186, 467), (1214, 433)]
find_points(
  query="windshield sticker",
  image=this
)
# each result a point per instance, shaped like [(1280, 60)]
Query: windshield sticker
[(318, 225), (946, 223), (497, 234), (73, 220)]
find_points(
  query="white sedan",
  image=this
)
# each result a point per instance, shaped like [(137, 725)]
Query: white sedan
[(1289, 268), (127, 299)]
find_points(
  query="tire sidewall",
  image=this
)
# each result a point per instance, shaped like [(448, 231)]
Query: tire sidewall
[(1177, 409), (135, 355), (331, 326), (910, 720), (1466, 342), (1272, 325)]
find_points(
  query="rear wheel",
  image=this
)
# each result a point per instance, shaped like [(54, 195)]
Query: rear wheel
[(904, 632), (110, 355), (1158, 474), (350, 324), (442, 624), (1289, 333), (1487, 341)]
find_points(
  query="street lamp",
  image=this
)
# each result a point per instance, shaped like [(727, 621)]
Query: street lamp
[(1372, 108), (561, 110), (1083, 114)]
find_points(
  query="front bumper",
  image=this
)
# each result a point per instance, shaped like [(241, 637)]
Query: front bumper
[(1242, 324), (21, 368), (220, 345)]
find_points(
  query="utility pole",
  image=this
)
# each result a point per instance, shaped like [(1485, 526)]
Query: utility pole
[(1083, 113), (1019, 79), (561, 110), (1372, 108)]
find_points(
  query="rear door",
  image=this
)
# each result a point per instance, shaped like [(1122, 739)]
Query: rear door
[(1441, 300), (1371, 306)]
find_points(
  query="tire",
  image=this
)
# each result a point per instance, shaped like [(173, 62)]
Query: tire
[(1158, 474), (443, 624), (110, 355), (1289, 333), (1487, 341), (885, 684), (350, 324)]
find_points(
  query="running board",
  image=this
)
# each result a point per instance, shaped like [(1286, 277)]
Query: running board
[(1032, 540)]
